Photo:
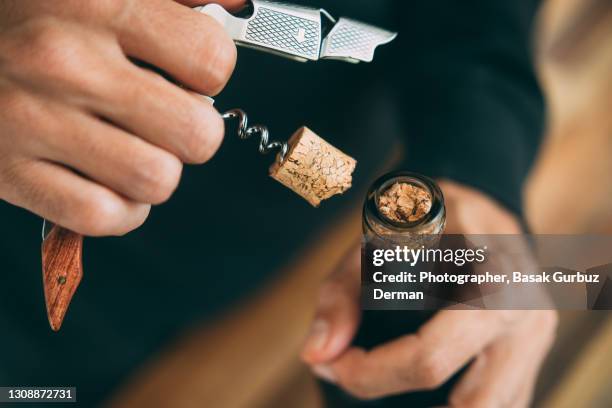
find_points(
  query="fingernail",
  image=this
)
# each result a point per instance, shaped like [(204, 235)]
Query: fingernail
[(317, 338), (324, 372)]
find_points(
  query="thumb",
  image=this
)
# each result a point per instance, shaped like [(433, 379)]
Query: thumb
[(338, 313)]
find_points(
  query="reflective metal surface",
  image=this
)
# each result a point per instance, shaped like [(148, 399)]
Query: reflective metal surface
[(299, 32)]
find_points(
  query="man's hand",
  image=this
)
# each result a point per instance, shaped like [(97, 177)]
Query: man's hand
[(88, 139), (507, 347)]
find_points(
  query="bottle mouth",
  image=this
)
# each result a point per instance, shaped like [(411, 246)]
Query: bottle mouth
[(385, 183)]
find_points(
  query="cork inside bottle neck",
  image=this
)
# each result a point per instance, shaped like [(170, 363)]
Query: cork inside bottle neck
[(424, 224)]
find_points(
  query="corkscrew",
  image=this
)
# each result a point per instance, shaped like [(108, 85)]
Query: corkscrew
[(246, 132), (306, 163)]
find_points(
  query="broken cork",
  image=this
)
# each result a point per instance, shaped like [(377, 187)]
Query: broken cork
[(404, 202), (313, 168)]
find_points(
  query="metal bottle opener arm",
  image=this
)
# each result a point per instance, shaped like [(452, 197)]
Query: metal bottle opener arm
[(301, 33)]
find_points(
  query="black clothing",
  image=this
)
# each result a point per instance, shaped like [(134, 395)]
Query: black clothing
[(456, 92)]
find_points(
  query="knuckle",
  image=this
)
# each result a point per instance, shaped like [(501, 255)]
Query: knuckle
[(158, 177), (103, 214), (137, 216), (49, 50), (432, 371), (110, 9), (57, 55), (204, 137), (219, 54), (100, 215)]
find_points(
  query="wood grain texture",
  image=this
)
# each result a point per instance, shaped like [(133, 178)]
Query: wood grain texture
[(62, 254), (313, 168)]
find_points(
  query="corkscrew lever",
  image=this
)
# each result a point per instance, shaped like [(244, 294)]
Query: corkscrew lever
[(301, 33)]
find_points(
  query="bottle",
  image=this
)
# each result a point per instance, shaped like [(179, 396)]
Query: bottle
[(381, 231)]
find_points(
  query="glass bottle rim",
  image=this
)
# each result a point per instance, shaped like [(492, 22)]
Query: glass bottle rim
[(386, 181)]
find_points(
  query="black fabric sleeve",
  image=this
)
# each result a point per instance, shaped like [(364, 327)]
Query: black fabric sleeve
[(470, 100)]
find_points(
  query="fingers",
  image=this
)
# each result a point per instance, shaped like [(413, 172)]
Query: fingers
[(422, 361), (89, 72), (67, 199), (61, 60), (74, 106), (337, 316), (190, 46), (492, 380), (126, 164), (504, 375), (122, 169), (149, 106)]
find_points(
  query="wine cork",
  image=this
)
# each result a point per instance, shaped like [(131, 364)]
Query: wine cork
[(405, 202), (313, 168)]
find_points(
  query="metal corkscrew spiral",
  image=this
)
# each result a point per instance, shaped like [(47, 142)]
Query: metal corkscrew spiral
[(245, 132)]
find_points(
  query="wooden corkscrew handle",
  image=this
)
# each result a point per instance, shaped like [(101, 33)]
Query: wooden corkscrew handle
[(62, 262)]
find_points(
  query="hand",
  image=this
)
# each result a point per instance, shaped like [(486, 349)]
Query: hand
[(88, 139), (507, 347)]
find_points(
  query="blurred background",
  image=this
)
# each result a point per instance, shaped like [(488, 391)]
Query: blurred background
[(570, 188), (569, 191)]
